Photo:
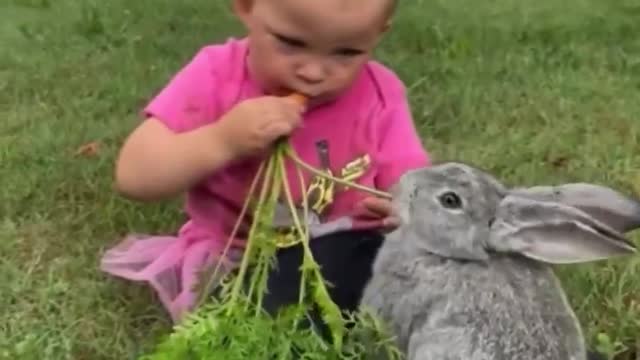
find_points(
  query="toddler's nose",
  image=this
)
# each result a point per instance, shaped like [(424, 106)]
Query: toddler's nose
[(311, 73)]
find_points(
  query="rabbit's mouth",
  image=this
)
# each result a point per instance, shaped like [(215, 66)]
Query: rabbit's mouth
[(394, 190), (399, 207)]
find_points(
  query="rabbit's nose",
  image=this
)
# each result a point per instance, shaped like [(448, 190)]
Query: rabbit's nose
[(394, 190)]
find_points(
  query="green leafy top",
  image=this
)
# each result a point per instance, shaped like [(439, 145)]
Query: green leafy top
[(233, 324)]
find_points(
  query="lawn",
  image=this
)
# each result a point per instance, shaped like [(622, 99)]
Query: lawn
[(542, 91)]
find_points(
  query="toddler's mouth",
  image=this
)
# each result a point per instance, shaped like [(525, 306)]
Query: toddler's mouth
[(287, 91), (312, 100)]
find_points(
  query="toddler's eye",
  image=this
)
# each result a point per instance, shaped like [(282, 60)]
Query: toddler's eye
[(450, 200), (289, 41), (349, 52)]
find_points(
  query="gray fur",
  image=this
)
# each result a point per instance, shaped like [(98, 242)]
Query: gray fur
[(466, 283)]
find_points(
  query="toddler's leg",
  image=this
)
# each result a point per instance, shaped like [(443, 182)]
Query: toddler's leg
[(345, 259)]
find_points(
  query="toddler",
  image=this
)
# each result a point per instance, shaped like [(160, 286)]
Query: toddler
[(207, 131)]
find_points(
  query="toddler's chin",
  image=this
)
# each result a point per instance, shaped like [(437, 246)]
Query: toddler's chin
[(320, 101)]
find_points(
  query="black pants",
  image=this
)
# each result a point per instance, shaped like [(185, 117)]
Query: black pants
[(345, 259)]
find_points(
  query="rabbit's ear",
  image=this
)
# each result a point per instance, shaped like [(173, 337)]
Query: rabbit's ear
[(553, 232), (620, 212)]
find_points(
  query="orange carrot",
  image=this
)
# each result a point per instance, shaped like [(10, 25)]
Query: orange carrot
[(301, 99)]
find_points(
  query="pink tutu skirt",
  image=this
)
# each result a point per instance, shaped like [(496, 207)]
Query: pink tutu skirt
[(170, 264)]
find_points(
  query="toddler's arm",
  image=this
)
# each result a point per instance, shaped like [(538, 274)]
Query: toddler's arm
[(187, 135), (157, 163)]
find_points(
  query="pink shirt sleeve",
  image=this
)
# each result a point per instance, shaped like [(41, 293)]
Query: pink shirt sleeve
[(188, 101), (399, 147)]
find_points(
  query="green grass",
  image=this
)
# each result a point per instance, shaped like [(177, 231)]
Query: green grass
[(538, 92)]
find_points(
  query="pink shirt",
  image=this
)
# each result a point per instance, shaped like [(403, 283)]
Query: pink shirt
[(372, 119), (371, 122)]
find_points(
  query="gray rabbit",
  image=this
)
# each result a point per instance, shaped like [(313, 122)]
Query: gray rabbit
[(467, 276)]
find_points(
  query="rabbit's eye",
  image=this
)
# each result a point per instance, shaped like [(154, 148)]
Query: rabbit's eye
[(450, 200)]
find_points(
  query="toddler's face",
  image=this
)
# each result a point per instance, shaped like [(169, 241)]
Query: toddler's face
[(312, 47)]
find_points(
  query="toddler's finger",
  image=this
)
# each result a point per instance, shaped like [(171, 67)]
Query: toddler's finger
[(277, 129), (391, 222), (291, 116), (362, 211), (298, 103), (382, 207)]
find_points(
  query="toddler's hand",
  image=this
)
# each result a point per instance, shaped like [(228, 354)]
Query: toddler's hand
[(378, 209), (253, 125)]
